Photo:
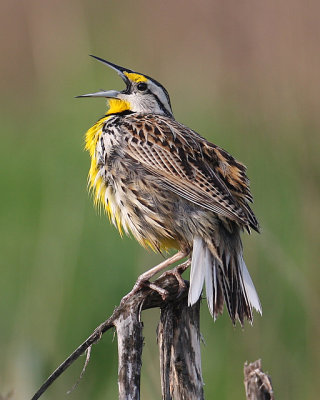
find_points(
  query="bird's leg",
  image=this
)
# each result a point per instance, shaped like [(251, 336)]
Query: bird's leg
[(164, 264), (143, 279)]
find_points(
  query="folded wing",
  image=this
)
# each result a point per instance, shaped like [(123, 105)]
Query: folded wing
[(190, 166)]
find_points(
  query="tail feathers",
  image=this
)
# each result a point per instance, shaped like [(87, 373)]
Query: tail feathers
[(213, 286), (227, 280), (248, 286), (198, 268)]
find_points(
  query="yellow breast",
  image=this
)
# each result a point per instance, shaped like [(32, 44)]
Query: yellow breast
[(105, 196), (102, 194)]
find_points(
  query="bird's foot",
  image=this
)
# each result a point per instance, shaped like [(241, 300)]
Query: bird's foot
[(143, 283), (177, 272), (144, 279), (162, 292)]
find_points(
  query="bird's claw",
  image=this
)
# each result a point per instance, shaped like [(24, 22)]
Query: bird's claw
[(177, 272), (162, 292)]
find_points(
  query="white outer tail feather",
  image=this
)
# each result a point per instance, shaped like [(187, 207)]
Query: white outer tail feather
[(210, 278), (248, 286), (204, 268), (197, 271)]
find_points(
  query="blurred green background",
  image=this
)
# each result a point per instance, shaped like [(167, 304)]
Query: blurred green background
[(243, 74)]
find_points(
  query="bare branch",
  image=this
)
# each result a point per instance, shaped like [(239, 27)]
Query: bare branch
[(143, 299), (88, 351)]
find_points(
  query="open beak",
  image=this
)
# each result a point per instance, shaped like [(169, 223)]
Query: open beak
[(117, 68), (110, 94)]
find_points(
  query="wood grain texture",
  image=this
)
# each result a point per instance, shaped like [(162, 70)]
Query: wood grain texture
[(180, 356)]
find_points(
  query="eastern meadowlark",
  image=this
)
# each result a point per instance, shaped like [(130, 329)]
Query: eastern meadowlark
[(171, 188)]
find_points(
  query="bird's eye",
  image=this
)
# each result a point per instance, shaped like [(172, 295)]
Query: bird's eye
[(142, 86)]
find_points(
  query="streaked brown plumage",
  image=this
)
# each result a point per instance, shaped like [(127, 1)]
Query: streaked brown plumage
[(170, 187)]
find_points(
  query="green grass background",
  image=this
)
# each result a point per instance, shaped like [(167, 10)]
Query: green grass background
[(243, 74)]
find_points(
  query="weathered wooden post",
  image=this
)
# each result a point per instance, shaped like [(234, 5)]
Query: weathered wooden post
[(257, 383), (180, 356)]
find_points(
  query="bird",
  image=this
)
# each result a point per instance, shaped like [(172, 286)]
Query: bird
[(170, 188)]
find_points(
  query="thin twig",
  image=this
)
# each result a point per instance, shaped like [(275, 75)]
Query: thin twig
[(93, 338), (88, 351)]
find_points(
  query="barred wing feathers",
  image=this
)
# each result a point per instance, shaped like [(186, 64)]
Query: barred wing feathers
[(190, 166)]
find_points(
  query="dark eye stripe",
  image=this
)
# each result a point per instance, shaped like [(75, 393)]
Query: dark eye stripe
[(166, 112), (161, 87)]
